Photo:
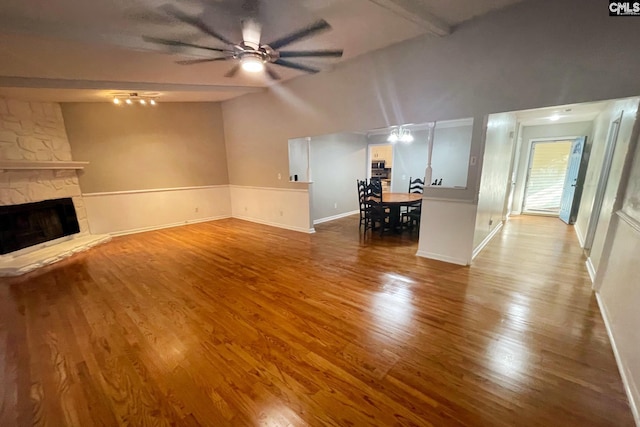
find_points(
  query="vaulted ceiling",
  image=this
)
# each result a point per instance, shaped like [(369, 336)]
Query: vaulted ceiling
[(85, 50)]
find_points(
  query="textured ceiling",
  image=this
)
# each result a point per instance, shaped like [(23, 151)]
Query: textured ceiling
[(83, 50)]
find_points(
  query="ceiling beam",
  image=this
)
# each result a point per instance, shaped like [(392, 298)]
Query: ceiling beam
[(416, 12), (46, 83)]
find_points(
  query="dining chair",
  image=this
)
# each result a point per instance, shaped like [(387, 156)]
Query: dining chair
[(416, 185), (362, 201), (411, 217), (375, 213)]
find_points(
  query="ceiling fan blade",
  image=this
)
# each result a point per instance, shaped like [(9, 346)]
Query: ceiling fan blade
[(193, 21), (272, 74), (178, 43), (199, 61), (312, 29), (301, 67), (311, 53), (232, 72), (251, 31)]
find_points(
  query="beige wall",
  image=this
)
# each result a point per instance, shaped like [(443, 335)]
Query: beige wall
[(138, 148)]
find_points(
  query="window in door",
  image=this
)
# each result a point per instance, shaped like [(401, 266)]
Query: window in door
[(546, 176)]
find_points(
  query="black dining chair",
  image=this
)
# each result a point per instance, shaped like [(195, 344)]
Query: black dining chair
[(411, 218), (416, 185), (375, 213), (362, 201)]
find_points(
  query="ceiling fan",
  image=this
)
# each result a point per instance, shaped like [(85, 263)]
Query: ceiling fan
[(250, 54)]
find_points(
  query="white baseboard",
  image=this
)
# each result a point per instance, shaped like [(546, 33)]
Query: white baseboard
[(439, 257), (621, 367), (579, 235), (486, 240), (334, 217), (160, 227), (591, 270), (275, 224)]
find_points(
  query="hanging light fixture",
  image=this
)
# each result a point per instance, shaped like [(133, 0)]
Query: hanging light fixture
[(400, 134)]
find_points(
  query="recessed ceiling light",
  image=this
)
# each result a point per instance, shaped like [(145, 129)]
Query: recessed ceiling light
[(116, 101), (554, 118)]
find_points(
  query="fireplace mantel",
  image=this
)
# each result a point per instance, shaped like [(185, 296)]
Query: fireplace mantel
[(6, 165)]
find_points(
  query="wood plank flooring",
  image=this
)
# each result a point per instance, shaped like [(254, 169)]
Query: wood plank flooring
[(230, 323)]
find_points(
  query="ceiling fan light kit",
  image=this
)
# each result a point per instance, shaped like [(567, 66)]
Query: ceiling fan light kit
[(252, 63), (250, 55)]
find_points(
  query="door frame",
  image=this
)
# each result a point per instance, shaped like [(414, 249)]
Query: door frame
[(603, 179), (525, 181)]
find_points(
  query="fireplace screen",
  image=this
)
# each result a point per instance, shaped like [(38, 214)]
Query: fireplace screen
[(29, 224)]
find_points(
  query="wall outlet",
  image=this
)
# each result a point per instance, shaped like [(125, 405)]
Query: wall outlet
[(279, 175), (491, 222), (280, 213), (404, 177), (335, 206), (197, 209), (246, 209)]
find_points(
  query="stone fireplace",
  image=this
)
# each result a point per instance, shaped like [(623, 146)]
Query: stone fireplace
[(36, 166)]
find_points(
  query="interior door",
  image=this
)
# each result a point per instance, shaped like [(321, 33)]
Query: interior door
[(571, 179)]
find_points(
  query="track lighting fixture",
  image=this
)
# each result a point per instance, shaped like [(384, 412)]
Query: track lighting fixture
[(134, 97)]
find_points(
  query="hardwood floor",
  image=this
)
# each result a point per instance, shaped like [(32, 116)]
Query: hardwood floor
[(234, 323)]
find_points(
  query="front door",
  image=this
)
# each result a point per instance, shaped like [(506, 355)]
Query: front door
[(571, 180)]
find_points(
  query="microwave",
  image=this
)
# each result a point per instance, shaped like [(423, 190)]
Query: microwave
[(377, 165)]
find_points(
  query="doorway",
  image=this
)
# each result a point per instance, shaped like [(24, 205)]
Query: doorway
[(381, 164), (548, 161)]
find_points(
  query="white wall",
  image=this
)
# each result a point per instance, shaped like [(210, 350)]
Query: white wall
[(278, 207), (337, 161), (628, 108), (529, 133), (123, 212), (452, 245), (494, 182), (617, 280)]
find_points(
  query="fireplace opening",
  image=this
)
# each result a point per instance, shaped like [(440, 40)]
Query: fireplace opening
[(30, 224)]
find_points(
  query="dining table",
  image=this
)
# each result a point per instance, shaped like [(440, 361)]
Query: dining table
[(394, 201)]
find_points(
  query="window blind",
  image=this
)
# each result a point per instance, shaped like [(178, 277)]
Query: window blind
[(547, 170)]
